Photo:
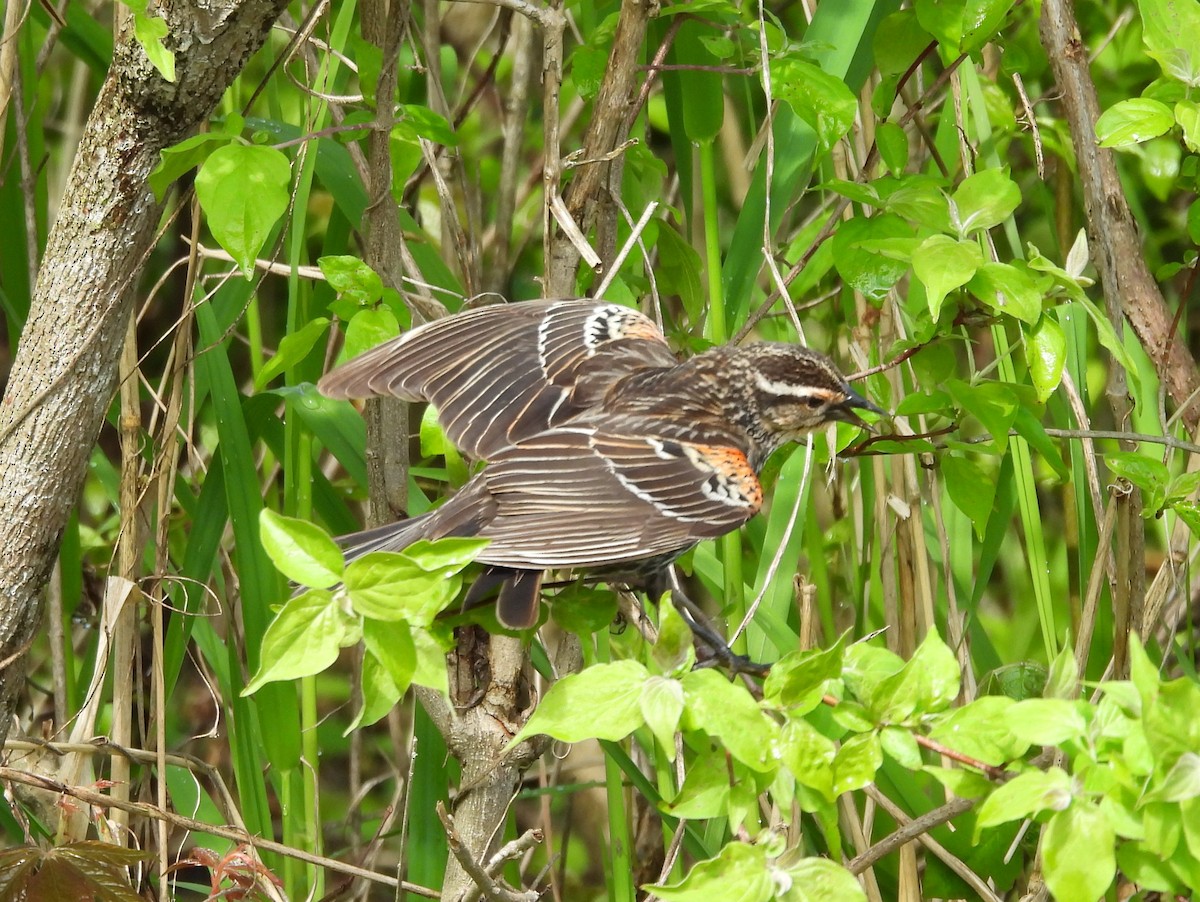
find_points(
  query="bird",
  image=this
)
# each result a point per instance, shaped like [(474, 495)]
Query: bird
[(604, 453)]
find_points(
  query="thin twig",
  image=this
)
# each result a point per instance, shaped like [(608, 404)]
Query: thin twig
[(484, 882), (188, 823), (918, 828)]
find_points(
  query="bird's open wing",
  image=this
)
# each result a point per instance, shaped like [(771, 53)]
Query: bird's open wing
[(500, 374), (591, 497)]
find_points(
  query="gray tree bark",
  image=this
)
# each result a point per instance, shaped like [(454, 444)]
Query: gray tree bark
[(64, 374)]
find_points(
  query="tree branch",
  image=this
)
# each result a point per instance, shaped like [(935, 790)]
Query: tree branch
[(64, 373), (585, 198), (1112, 233)]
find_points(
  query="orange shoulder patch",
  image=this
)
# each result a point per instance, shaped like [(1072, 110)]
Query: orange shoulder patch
[(731, 479)]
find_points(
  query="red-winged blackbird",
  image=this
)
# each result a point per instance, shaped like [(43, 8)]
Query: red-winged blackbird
[(604, 452)]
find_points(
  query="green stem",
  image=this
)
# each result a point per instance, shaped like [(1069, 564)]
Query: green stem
[(1027, 502), (717, 330), (620, 842)]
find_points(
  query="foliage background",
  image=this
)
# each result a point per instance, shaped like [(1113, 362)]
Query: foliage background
[(912, 173)]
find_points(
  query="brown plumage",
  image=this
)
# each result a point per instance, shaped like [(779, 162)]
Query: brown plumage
[(604, 452)]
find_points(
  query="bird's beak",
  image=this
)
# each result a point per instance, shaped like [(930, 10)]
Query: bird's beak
[(846, 411)]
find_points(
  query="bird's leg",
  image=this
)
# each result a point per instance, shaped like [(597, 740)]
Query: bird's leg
[(717, 646)]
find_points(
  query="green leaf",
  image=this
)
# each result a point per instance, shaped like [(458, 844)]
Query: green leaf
[(738, 874), (1182, 782), (679, 270), (928, 682), (662, 706), (727, 712), (292, 349), (1187, 114), (923, 202), (569, 710), (809, 755), (1078, 853), (943, 264), (965, 783), (583, 609), (387, 585), (821, 100), (587, 69), (1125, 694), (391, 644), (407, 155), (1046, 353), (1189, 513), (431, 661), (1171, 32), (893, 147), (703, 101), (706, 788), (797, 680), (980, 730), (149, 32), (971, 487), (994, 404), (983, 200), (1172, 728), (1193, 221), (898, 41), (1132, 122), (858, 192), (1183, 486), (675, 650), (186, 155), (924, 402), (243, 189), (1007, 288), (433, 439), (1069, 283), (1145, 868), (379, 691), (303, 639), (368, 328), (1030, 428), (1107, 337), (352, 279), (1148, 474), (819, 880), (429, 125), (1024, 795), (900, 745), (1159, 162), (856, 763), (869, 273), (866, 667), (448, 555), (852, 716), (1163, 828), (1047, 721), (302, 552), (1144, 675), (1062, 679), (962, 26)]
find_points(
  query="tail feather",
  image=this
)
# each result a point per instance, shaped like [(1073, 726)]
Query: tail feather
[(389, 537)]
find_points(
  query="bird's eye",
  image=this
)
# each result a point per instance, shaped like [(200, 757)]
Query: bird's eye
[(814, 402)]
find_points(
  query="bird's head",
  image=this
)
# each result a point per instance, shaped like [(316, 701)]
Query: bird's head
[(792, 390)]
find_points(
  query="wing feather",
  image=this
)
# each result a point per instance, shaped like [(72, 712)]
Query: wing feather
[(504, 373), (575, 497)]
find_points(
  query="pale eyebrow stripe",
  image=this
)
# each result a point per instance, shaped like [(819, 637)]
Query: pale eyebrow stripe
[(791, 390)]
